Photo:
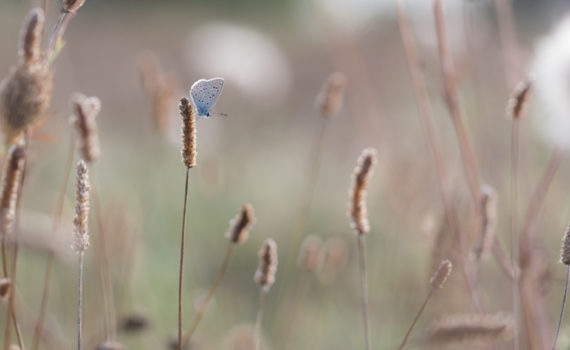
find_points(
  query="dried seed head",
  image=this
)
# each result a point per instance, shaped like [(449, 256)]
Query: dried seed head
[(71, 6), (81, 218), (311, 254), (488, 222), (188, 133), (5, 288), (109, 345), (11, 180), (357, 195), (438, 279), (265, 274), (24, 95), (471, 329), (134, 323), (85, 111), (30, 44), (565, 251), (241, 224), (329, 100), (518, 102), (335, 259)]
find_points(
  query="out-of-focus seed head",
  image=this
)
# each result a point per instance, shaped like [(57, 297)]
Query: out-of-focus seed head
[(71, 6), (265, 274), (311, 254), (5, 288), (438, 279), (109, 345), (519, 100), (565, 251), (85, 111), (329, 100), (11, 181), (241, 224), (30, 44)]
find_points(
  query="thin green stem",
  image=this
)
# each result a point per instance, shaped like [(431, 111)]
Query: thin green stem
[(209, 297), (562, 308), (364, 286), (259, 318), (181, 267)]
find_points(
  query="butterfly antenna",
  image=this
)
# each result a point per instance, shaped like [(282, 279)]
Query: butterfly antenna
[(221, 114)]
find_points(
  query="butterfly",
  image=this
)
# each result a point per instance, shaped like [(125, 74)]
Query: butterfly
[(205, 94)]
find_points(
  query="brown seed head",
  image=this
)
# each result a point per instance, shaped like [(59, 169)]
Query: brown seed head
[(241, 224), (518, 102), (329, 100), (471, 329), (5, 288), (24, 95), (71, 6), (438, 279), (488, 222), (134, 323), (265, 274), (565, 251), (81, 218), (357, 195), (30, 44), (85, 111), (311, 254), (109, 345), (188, 133), (11, 180)]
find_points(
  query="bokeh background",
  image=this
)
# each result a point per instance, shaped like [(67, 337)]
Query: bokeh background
[(274, 56)]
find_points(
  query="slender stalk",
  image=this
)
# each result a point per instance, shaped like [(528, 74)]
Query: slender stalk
[(80, 303), (513, 217), (181, 267), (562, 308), (259, 318), (56, 33), (431, 292), (51, 254), (364, 286), (209, 297)]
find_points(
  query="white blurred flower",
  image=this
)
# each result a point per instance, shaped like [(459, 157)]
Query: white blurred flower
[(244, 57), (551, 75)]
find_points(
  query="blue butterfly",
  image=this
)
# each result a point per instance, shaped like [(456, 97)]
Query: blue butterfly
[(205, 94)]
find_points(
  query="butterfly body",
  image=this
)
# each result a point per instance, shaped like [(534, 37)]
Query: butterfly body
[(205, 94)]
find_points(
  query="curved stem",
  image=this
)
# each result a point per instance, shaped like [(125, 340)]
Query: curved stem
[(432, 290), (258, 319), (181, 267), (364, 285), (562, 308), (209, 297)]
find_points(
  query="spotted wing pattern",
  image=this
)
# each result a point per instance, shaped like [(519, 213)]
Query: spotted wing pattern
[(205, 94)]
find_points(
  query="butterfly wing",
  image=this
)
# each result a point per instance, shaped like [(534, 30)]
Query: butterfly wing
[(205, 94)]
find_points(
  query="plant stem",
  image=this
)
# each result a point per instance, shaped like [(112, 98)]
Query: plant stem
[(258, 318), (364, 285), (514, 236), (51, 254), (432, 290), (562, 308), (80, 303), (209, 297), (181, 267)]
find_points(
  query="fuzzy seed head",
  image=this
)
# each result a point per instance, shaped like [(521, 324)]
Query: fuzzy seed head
[(85, 111), (30, 44), (519, 100), (565, 251), (358, 212), (11, 180), (311, 254), (5, 288), (329, 100), (134, 323), (71, 6), (471, 329), (241, 224), (81, 218), (13, 347), (188, 133), (265, 274), (109, 345), (488, 222), (438, 279)]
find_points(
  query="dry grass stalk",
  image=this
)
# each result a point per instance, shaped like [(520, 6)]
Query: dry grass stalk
[(519, 100), (437, 281), (311, 254), (5, 288), (488, 222), (188, 133), (26, 92), (329, 100), (241, 224), (471, 329), (265, 277), (85, 111), (357, 195)]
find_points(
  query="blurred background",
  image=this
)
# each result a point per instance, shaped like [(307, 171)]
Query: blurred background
[(275, 56)]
